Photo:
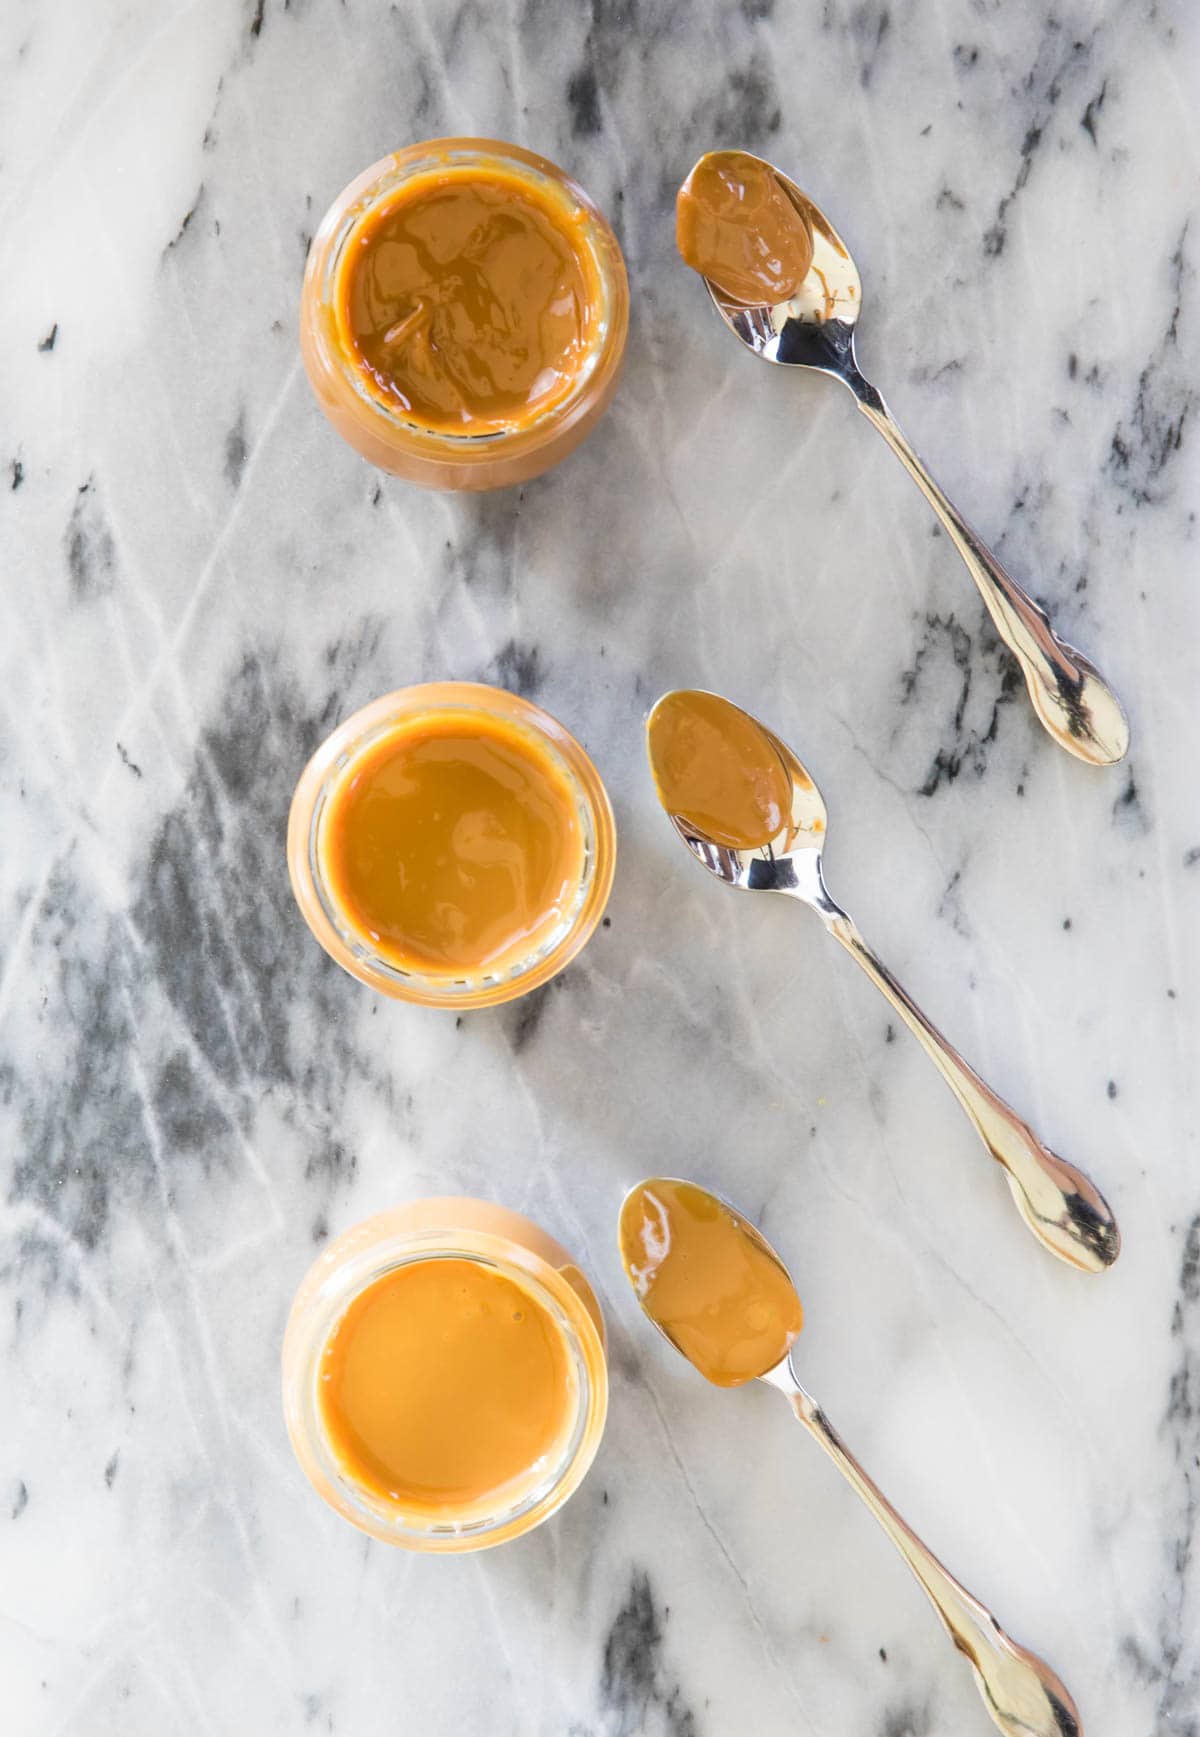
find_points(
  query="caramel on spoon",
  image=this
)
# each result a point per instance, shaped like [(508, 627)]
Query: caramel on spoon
[(737, 226), (725, 781), (741, 222), (716, 1289)]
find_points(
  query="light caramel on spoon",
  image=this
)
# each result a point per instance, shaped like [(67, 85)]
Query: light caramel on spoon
[(708, 1280)]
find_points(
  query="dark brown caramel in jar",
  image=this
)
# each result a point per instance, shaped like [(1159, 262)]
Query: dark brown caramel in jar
[(468, 302)]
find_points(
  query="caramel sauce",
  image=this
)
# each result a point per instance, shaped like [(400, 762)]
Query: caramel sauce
[(469, 300), (446, 1387), (708, 1281), (452, 844), (736, 224), (718, 770)]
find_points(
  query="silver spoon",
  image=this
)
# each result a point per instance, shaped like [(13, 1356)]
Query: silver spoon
[(1062, 1208), (1023, 1696), (815, 329)]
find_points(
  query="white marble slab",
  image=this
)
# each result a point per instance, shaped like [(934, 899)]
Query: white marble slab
[(199, 579)]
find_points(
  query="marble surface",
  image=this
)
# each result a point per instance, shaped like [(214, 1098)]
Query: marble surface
[(200, 579)]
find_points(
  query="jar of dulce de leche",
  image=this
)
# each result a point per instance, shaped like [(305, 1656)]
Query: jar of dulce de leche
[(464, 314), (451, 844), (444, 1375)]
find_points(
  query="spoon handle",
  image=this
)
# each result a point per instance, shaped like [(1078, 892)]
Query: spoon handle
[(1065, 1211), (1070, 696), (1024, 1697)]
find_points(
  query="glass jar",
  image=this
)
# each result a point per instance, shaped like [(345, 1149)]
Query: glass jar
[(462, 1229), (551, 949), (382, 432)]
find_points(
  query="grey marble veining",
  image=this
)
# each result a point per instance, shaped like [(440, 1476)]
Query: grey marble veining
[(199, 580)]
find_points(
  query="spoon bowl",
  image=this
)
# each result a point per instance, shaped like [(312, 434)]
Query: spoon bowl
[(770, 868), (724, 1300), (815, 329), (720, 1294), (1060, 1205)]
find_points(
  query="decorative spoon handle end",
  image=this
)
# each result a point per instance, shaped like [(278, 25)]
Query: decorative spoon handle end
[(1071, 698), (1023, 1696), (1064, 1210)]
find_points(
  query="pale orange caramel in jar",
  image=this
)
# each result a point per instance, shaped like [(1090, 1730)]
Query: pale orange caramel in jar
[(716, 768), (446, 1387), (444, 1375), (452, 842), (708, 1281), (736, 224)]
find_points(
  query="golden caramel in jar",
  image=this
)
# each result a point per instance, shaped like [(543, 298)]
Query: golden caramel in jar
[(446, 1385), (452, 842)]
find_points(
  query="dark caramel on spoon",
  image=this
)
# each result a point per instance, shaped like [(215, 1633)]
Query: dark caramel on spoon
[(736, 224), (783, 281)]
